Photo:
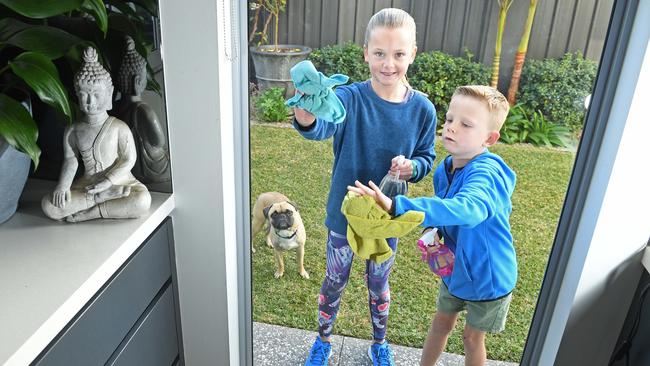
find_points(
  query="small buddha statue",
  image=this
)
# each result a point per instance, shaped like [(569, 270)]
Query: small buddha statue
[(152, 165), (105, 145)]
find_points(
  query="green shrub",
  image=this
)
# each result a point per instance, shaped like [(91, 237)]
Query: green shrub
[(270, 105), (341, 59), (522, 126), (438, 74), (558, 87)]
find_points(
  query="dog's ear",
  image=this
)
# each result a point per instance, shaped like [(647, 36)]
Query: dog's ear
[(293, 204), (266, 211)]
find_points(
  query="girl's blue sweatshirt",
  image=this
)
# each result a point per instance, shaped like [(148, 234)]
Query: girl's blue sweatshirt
[(472, 207), (373, 133)]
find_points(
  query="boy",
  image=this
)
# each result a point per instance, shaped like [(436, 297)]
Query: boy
[(471, 208)]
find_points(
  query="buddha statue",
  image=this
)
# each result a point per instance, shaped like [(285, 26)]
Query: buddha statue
[(105, 145), (152, 165)]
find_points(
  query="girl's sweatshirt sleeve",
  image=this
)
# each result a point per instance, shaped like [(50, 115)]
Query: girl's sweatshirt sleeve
[(424, 153), (321, 130)]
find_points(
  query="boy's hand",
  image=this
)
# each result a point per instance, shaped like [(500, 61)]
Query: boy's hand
[(435, 246), (373, 191), (403, 165), (436, 241), (304, 118)]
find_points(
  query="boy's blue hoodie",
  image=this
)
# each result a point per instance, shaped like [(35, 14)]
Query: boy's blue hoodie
[(472, 209)]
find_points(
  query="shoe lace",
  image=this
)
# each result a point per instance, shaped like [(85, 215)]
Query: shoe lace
[(318, 354), (384, 357)]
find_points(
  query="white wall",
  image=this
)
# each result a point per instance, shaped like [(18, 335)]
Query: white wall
[(615, 226), (198, 86)]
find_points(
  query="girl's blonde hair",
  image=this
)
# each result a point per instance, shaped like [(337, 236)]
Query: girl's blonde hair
[(391, 18)]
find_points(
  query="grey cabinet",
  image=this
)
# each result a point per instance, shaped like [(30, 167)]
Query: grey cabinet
[(132, 320)]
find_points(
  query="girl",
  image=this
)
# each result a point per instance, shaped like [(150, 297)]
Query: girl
[(385, 118)]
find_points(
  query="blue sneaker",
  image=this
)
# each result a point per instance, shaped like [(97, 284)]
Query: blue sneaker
[(381, 354), (319, 354)]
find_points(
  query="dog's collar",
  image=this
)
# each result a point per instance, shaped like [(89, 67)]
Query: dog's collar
[(286, 237)]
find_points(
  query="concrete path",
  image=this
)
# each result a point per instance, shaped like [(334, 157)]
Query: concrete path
[(280, 346)]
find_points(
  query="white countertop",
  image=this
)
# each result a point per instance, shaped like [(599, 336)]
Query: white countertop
[(49, 270)]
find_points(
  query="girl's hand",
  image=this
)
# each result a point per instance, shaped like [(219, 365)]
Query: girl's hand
[(403, 166), (304, 118), (373, 191)]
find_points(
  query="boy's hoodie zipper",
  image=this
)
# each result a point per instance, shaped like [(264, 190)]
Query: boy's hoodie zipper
[(450, 178)]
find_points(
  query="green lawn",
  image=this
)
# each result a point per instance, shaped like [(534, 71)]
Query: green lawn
[(281, 160)]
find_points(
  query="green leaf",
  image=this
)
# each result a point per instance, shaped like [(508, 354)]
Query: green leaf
[(49, 41), (98, 11), (9, 27), (39, 9), (152, 84), (555, 141), (123, 24), (123, 7), (18, 128), (41, 75), (148, 5), (534, 139), (514, 118)]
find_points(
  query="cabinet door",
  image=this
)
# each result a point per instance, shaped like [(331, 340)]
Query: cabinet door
[(97, 331), (153, 341)]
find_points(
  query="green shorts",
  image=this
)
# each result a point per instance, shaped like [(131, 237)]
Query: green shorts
[(488, 316)]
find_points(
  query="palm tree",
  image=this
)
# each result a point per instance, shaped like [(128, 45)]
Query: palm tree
[(521, 54), (504, 6)]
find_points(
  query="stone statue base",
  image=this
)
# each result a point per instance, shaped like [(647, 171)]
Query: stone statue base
[(117, 202)]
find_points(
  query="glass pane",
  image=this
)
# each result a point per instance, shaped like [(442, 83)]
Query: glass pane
[(455, 46)]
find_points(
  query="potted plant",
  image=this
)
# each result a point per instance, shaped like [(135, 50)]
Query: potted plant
[(17, 144), (41, 49), (273, 61)]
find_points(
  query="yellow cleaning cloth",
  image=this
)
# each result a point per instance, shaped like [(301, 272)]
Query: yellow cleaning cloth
[(369, 226)]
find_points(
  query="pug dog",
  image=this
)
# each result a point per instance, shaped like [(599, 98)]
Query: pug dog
[(285, 229)]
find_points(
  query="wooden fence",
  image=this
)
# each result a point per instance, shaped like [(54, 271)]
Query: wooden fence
[(452, 26)]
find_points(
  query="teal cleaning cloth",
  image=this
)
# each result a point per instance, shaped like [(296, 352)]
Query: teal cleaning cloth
[(317, 96)]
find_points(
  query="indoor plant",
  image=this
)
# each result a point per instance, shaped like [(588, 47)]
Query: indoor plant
[(40, 48), (273, 62)]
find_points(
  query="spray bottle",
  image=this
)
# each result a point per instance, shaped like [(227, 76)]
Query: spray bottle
[(439, 257)]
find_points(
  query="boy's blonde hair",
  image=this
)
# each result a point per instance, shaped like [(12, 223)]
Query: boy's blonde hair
[(391, 18), (497, 104)]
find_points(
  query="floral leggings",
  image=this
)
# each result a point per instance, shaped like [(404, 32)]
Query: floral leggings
[(339, 263)]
